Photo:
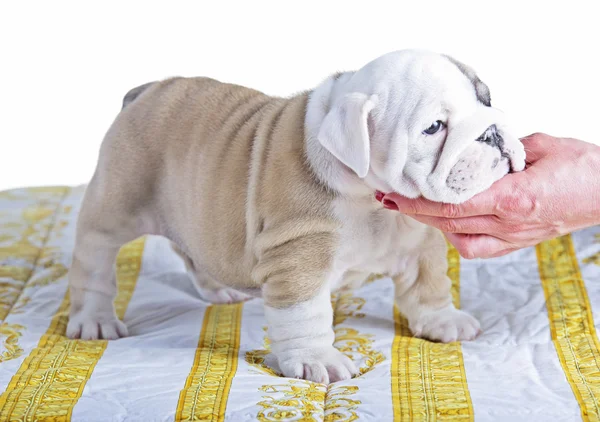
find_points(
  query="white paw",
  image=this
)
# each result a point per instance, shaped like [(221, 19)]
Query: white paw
[(93, 317), (323, 366), (446, 325), (224, 295), (94, 326)]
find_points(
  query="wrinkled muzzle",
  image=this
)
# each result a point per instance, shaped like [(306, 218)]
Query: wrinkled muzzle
[(478, 151)]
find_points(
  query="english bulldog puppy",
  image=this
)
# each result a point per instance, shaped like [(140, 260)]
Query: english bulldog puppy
[(275, 197)]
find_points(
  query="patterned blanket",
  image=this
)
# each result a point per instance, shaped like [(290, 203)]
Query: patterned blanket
[(538, 358)]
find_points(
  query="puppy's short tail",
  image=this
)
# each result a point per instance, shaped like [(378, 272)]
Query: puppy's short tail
[(134, 93)]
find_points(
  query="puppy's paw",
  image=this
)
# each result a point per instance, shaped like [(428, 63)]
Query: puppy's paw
[(446, 325), (223, 295), (95, 326), (322, 365), (93, 317)]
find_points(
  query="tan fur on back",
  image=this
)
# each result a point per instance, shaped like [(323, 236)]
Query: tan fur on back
[(244, 201)]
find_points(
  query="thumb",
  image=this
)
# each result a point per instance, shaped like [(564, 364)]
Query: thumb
[(537, 146)]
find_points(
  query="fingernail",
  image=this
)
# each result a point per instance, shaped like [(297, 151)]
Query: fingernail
[(379, 195), (390, 205)]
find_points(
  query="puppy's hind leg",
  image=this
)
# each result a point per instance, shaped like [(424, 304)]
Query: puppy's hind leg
[(209, 290), (104, 225), (423, 296)]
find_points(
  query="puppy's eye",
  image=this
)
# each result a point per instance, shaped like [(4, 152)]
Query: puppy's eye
[(434, 128)]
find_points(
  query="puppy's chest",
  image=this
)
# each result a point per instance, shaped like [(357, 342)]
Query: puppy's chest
[(377, 241)]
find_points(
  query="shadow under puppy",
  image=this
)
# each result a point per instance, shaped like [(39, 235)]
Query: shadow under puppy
[(274, 197)]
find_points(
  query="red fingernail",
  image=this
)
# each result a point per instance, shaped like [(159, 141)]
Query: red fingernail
[(390, 205), (379, 195)]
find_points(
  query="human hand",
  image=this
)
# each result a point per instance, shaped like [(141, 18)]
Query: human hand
[(557, 193)]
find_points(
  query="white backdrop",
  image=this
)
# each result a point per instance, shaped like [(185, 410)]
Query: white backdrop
[(65, 66)]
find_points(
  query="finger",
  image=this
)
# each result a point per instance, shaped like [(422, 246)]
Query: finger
[(490, 225), (482, 204), (537, 146), (472, 246), (505, 198), (485, 224)]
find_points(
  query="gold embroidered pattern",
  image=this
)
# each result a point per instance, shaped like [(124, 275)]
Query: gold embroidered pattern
[(256, 358), (373, 278), (294, 400), (571, 322), (308, 401), (346, 305), (338, 407), (299, 400), (428, 379), (349, 341), (51, 379), (355, 345), (11, 334), (21, 303), (204, 396), (359, 347), (595, 258), (22, 242)]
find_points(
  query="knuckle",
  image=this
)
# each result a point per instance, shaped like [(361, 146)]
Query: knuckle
[(515, 230), (514, 203), (518, 202), (538, 137), (539, 142), (448, 226), (516, 234), (414, 208), (450, 210), (529, 203)]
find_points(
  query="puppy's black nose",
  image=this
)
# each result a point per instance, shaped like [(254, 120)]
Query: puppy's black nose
[(492, 137)]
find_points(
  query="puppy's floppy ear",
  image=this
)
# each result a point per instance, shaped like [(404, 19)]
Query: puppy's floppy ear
[(345, 132)]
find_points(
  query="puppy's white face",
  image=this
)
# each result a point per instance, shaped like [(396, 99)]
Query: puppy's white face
[(419, 123)]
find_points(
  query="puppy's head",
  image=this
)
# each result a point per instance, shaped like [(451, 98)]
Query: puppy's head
[(420, 124)]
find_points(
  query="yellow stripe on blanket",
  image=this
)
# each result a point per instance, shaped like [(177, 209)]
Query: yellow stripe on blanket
[(51, 379), (204, 396), (428, 379), (571, 322)]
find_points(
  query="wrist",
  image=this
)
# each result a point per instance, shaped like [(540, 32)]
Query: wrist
[(595, 177), (588, 198)]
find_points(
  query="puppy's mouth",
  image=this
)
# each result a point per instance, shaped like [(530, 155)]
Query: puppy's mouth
[(493, 138)]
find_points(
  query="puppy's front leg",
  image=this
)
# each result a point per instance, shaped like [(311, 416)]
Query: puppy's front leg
[(423, 296), (302, 340), (299, 313)]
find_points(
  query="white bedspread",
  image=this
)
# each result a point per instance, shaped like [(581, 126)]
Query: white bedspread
[(538, 358)]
